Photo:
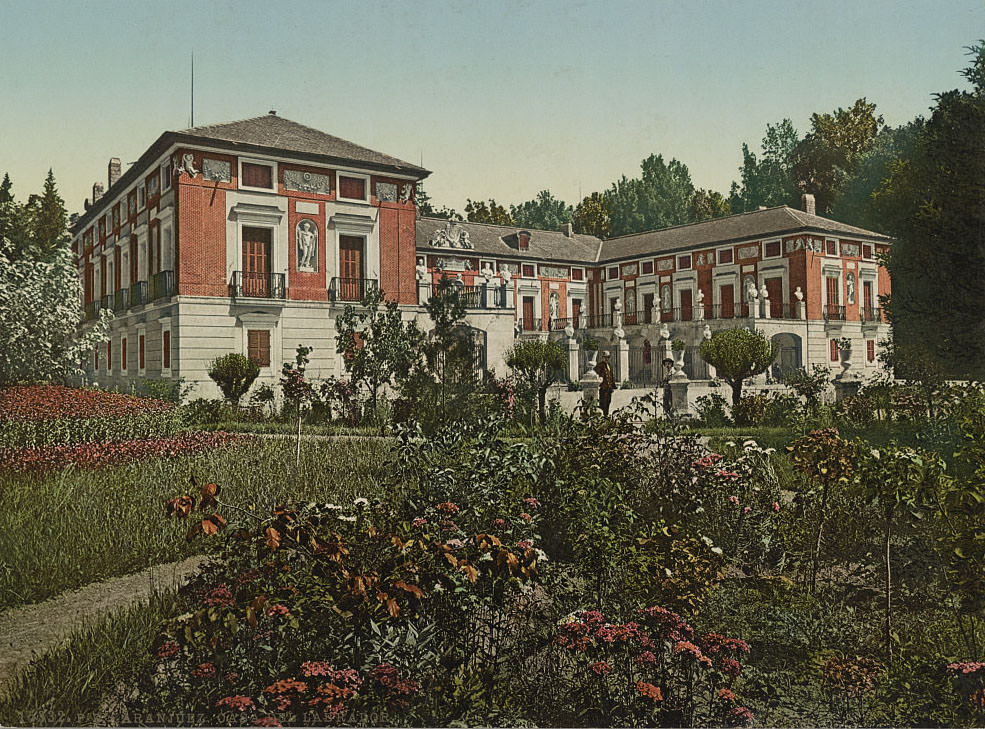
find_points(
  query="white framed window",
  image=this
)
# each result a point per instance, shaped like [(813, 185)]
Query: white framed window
[(124, 359), (684, 262), (167, 347), (141, 195), (725, 255), (830, 247), (141, 350), (257, 174), (353, 187), (577, 274), (772, 248), (166, 175)]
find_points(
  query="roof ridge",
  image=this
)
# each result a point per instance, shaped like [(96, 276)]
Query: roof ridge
[(510, 227), (222, 124), (700, 222)]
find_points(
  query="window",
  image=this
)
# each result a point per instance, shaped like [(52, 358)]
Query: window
[(647, 267), (866, 251), (141, 196), (577, 274), (771, 249), (140, 352), (870, 350), (258, 346), (683, 262), (166, 349), (131, 206), (725, 255), (834, 350), (613, 273), (123, 354), (831, 247), (166, 174), (256, 175), (109, 355), (95, 358), (352, 188), (116, 215), (528, 270)]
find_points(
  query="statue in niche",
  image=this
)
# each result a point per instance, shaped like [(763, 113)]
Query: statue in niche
[(666, 302), (751, 293), (798, 294), (555, 304), (406, 191), (507, 275), (307, 237), (850, 287), (763, 292), (699, 297), (421, 270), (487, 272)]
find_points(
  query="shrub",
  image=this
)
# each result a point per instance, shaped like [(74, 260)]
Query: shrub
[(234, 374), (203, 411), (713, 410), (750, 410), (781, 410)]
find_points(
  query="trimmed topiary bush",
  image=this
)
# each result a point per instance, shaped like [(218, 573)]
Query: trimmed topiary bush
[(234, 374)]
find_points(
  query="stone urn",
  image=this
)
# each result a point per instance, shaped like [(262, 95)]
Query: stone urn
[(591, 358), (678, 361), (845, 355)]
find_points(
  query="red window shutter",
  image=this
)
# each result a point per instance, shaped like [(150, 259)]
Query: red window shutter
[(123, 353), (140, 351), (109, 356), (258, 346), (832, 290), (258, 176), (96, 357), (870, 350), (353, 188), (834, 350), (167, 350)]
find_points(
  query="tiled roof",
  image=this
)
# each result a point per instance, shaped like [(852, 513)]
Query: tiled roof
[(276, 132), (494, 240), (757, 224)]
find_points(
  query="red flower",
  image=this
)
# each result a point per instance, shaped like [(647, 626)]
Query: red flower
[(267, 721), (525, 516), (204, 670), (646, 658), (236, 703), (499, 523), (649, 690), (525, 544), (726, 695), (278, 610), (446, 507), (419, 522), (167, 649), (218, 597), (601, 668), (531, 502)]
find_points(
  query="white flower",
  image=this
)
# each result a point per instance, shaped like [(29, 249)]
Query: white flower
[(541, 555), (333, 507), (361, 501), (438, 587), (341, 517), (486, 557)]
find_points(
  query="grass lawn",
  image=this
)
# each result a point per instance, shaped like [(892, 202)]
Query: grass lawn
[(268, 426), (59, 531)]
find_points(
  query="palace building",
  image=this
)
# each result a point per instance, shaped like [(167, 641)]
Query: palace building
[(252, 236)]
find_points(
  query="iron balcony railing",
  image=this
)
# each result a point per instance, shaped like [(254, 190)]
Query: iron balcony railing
[(138, 293), (107, 302), (161, 286), (834, 312), (121, 300), (351, 289), (529, 325), (92, 309), (251, 284), (599, 321), (556, 325), (870, 315), (471, 297)]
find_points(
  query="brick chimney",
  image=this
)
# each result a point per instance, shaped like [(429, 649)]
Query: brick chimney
[(97, 191), (568, 230), (115, 170), (807, 203)]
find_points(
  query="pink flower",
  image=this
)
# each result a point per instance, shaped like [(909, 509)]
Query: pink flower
[(237, 703), (167, 650), (734, 499), (267, 721), (218, 597), (531, 502), (419, 522), (646, 657), (731, 667), (776, 506), (499, 523), (447, 507), (455, 543), (746, 509), (524, 544), (204, 670), (525, 516), (278, 610), (600, 667)]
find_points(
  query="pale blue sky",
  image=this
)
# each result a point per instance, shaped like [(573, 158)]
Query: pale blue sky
[(500, 99)]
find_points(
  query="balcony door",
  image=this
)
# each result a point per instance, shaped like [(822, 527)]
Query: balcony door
[(687, 305), (350, 268), (576, 313), (774, 287), (727, 297), (256, 261), (528, 313), (868, 301)]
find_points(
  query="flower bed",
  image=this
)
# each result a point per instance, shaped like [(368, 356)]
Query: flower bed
[(47, 415), (102, 454)]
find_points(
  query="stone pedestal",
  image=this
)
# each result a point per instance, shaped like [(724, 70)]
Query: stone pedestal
[(622, 348), (573, 359), (766, 308), (678, 395), (847, 386), (590, 389), (423, 292), (801, 310)]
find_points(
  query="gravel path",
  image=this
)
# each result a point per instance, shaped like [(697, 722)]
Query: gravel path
[(31, 631)]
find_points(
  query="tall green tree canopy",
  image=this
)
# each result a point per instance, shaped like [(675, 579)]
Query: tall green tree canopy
[(936, 205), (767, 180), (827, 156), (544, 212), (592, 216), (478, 211), (50, 219), (738, 354)]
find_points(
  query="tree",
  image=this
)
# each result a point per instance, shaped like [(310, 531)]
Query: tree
[(660, 198), (768, 181), (544, 212), (480, 212), (426, 209), (50, 218), (40, 312), (538, 364), (934, 204), (375, 343), (738, 354), (234, 374), (591, 216), (5, 195), (707, 204), (15, 225), (827, 156)]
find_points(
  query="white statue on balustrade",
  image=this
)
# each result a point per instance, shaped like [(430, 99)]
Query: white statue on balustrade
[(421, 270)]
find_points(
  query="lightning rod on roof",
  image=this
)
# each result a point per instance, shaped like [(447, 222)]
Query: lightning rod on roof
[(193, 90)]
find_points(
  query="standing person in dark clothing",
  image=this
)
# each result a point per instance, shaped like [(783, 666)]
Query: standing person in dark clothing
[(608, 383)]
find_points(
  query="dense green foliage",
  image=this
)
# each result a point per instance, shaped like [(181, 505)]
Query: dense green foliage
[(234, 374), (538, 364), (738, 354)]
